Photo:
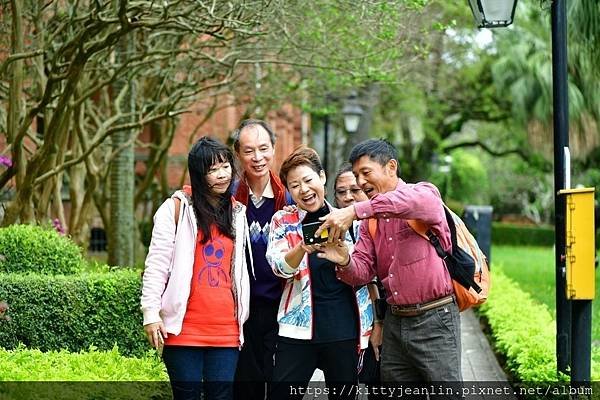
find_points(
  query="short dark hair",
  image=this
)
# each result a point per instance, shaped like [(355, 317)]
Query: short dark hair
[(345, 167), (301, 156), (251, 122), (379, 150)]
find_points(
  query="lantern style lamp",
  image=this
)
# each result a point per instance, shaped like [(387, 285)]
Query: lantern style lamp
[(493, 13), (352, 112)]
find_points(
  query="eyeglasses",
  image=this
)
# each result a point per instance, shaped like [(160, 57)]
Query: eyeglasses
[(343, 192)]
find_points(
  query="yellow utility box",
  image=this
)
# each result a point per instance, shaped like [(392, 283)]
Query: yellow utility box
[(580, 238)]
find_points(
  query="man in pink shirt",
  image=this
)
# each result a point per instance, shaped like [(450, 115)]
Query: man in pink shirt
[(421, 335)]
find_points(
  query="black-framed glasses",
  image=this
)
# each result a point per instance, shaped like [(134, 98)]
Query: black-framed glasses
[(342, 192)]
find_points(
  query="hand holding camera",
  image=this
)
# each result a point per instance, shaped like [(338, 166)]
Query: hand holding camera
[(337, 223), (309, 230)]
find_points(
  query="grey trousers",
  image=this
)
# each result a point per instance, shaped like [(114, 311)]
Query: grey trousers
[(424, 348)]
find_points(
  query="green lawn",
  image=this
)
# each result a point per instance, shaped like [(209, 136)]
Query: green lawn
[(533, 269)]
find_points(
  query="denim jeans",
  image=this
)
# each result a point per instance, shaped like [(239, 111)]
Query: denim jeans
[(193, 370)]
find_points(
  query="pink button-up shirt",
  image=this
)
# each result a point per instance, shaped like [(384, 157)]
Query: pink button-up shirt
[(405, 262)]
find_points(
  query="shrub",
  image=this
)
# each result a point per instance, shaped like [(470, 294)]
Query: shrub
[(28, 248), (524, 332), (92, 365), (522, 235), (93, 375), (73, 312)]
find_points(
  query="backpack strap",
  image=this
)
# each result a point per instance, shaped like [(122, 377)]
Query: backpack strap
[(419, 227), (423, 230), (456, 273), (372, 227)]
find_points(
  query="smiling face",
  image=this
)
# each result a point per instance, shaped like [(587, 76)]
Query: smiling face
[(347, 191), (307, 187), (374, 178), (218, 177), (255, 152)]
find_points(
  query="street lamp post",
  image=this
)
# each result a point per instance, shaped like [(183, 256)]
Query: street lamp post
[(573, 318), (352, 111), (326, 143), (560, 103), (355, 122), (573, 343)]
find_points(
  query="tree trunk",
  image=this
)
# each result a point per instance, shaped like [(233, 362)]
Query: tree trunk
[(15, 93), (122, 232)]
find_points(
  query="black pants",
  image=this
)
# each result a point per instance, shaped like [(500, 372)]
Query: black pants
[(370, 372), (295, 363), (255, 365)]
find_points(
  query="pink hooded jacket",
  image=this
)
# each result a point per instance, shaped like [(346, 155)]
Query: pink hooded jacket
[(169, 265)]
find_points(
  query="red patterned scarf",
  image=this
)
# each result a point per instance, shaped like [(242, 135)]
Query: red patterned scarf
[(243, 191)]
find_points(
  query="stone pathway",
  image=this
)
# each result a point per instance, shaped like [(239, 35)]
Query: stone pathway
[(483, 377)]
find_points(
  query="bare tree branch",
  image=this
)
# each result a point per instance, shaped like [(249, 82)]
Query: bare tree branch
[(18, 56), (99, 140), (524, 155)]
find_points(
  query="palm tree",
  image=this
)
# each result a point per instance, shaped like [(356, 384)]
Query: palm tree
[(525, 68)]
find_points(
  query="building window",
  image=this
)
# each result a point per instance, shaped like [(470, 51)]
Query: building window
[(97, 239)]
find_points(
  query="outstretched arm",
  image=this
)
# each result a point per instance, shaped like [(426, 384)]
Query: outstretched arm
[(420, 201), (337, 222)]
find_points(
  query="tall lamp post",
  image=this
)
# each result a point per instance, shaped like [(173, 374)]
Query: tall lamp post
[(354, 122), (352, 111), (573, 344), (560, 102)]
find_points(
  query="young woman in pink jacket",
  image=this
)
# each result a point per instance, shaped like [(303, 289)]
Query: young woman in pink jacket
[(195, 293)]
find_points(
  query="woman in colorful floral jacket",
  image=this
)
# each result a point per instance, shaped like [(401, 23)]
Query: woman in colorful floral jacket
[(323, 322)]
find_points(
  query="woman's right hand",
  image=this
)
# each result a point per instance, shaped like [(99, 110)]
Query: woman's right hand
[(296, 254), (152, 333)]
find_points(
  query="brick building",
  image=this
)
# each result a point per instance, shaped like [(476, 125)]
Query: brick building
[(290, 125)]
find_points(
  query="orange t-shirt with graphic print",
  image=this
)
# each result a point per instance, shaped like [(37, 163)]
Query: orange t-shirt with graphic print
[(210, 318)]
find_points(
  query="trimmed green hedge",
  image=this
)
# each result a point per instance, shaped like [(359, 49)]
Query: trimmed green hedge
[(73, 312), (31, 374), (34, 365), (29, 248), (522, 235), (524, 332)]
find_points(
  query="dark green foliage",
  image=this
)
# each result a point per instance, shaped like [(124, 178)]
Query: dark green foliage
[(73, 312), (145, 232), (522, 235), (29, 248)]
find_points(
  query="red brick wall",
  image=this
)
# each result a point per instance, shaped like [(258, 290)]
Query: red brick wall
[(287, 123)]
